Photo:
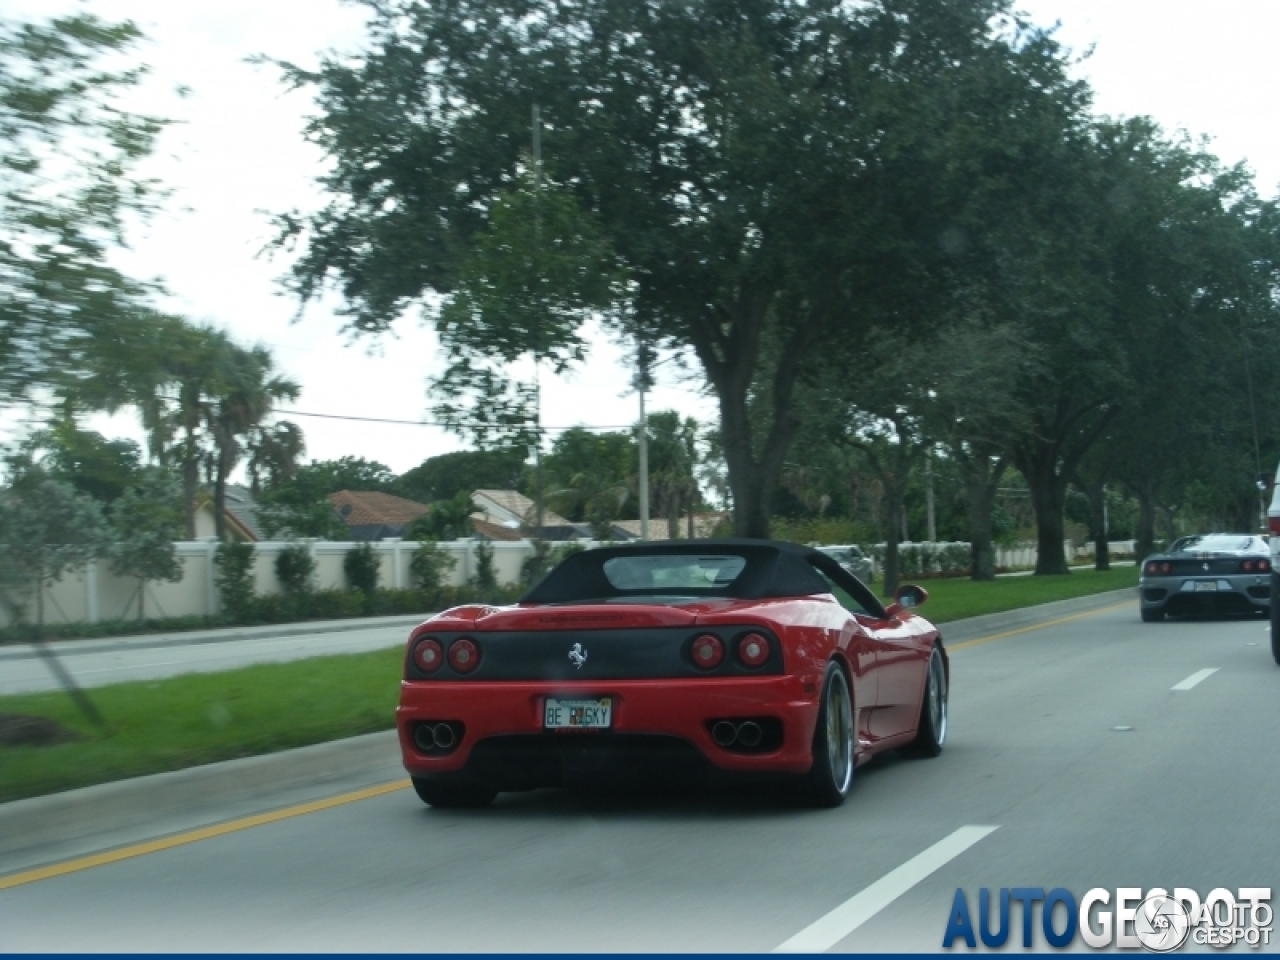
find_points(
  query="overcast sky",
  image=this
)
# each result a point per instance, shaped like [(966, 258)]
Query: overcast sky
[(237, 154)]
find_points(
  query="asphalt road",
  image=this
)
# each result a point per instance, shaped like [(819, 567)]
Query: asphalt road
[(96, 663), (1071, 741)]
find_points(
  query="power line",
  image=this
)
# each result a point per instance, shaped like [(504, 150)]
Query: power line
[(432, 423)]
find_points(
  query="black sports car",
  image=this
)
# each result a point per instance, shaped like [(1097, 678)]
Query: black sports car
[(1214, 573)]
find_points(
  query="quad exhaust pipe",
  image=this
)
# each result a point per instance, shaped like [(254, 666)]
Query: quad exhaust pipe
[(727, 733), (435, 737)]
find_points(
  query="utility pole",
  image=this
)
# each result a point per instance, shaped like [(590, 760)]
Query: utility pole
[(928, 497), (537, 345), (642, 441)]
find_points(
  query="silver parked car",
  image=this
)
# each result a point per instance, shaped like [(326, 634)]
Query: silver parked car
[(851, 557), (1213, 573)]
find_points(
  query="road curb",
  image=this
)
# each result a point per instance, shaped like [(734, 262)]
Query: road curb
[(123, 804)]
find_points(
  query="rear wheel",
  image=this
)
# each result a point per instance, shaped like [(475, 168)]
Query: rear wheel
[(1275, 617), (1152, 614), (828, 780), (447, 795), (932, 731)]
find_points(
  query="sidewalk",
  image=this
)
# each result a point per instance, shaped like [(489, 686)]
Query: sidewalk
[(183, 638), (1074, 566), (96, 663)]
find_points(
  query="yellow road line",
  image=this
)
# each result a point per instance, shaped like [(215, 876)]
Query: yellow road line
[(193, 836), (1035, 626)]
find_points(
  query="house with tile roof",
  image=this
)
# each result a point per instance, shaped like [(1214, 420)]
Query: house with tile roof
[(513, 511), (704, 525), (510, 508), (373, 515)]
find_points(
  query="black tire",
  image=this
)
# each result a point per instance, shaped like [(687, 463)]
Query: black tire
[(1275, 617), (931, 734), (1152, 614), (828, 781), (453, 796)]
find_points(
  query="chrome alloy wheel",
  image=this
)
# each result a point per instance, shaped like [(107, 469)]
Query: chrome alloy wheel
[(938, 697), (839, 733)]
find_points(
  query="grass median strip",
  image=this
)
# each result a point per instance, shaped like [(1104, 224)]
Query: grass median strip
[(958, 599), (201, 718)]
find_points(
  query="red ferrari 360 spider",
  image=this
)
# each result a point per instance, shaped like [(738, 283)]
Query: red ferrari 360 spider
[(733, 657)]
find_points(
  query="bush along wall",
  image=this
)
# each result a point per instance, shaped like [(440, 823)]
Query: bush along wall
[(924, 560)]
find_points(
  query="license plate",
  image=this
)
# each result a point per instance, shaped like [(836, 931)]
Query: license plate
[(577, 714), (1206, 585)]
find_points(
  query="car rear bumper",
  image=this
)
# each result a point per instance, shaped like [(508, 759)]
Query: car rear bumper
[(1181, 595), (657, 726)]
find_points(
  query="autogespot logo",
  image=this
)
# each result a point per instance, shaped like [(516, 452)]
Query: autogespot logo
[(1154, 920)]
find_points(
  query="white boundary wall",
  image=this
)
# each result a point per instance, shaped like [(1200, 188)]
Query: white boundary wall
[(95, 593)]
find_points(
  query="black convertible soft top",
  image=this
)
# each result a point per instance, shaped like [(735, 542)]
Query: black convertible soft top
[(770, 568)]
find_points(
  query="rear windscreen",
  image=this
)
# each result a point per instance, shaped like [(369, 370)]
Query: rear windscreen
[(743, 570), (674, 572), (1215, 544)]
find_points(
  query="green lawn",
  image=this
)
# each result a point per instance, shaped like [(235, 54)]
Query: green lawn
[(201, 718), (960, 598)]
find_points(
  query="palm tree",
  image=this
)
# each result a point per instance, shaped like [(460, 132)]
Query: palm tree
[(247, 391), (673, 457), (168, 369), (202, 400), (596, 496), (274, 454)]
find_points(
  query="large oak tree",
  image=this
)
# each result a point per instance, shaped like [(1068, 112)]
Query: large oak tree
[(754, 168)]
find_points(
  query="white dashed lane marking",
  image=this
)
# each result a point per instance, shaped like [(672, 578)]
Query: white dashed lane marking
[(1195, 678), (825, 933)]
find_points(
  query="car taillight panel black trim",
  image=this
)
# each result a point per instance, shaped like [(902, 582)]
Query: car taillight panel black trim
[(649, 653), (1187, 567)]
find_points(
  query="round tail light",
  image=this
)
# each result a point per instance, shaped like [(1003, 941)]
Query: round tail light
[(464, 655), (1151, 569), (1165, 567), (427, 655), (1264, 566), (707, 651), (753, 649), (1247, 566)]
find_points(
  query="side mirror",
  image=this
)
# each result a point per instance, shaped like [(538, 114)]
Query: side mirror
[(909, 595)]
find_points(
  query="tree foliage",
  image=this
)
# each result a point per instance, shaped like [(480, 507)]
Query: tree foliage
[(754, 168), (100, 468), (46, 528), (444, 520), (361, 566), (430, 566), (145, 522), (295, 568), (463, 471), (234, 561), (590, 477), (70, 156)]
